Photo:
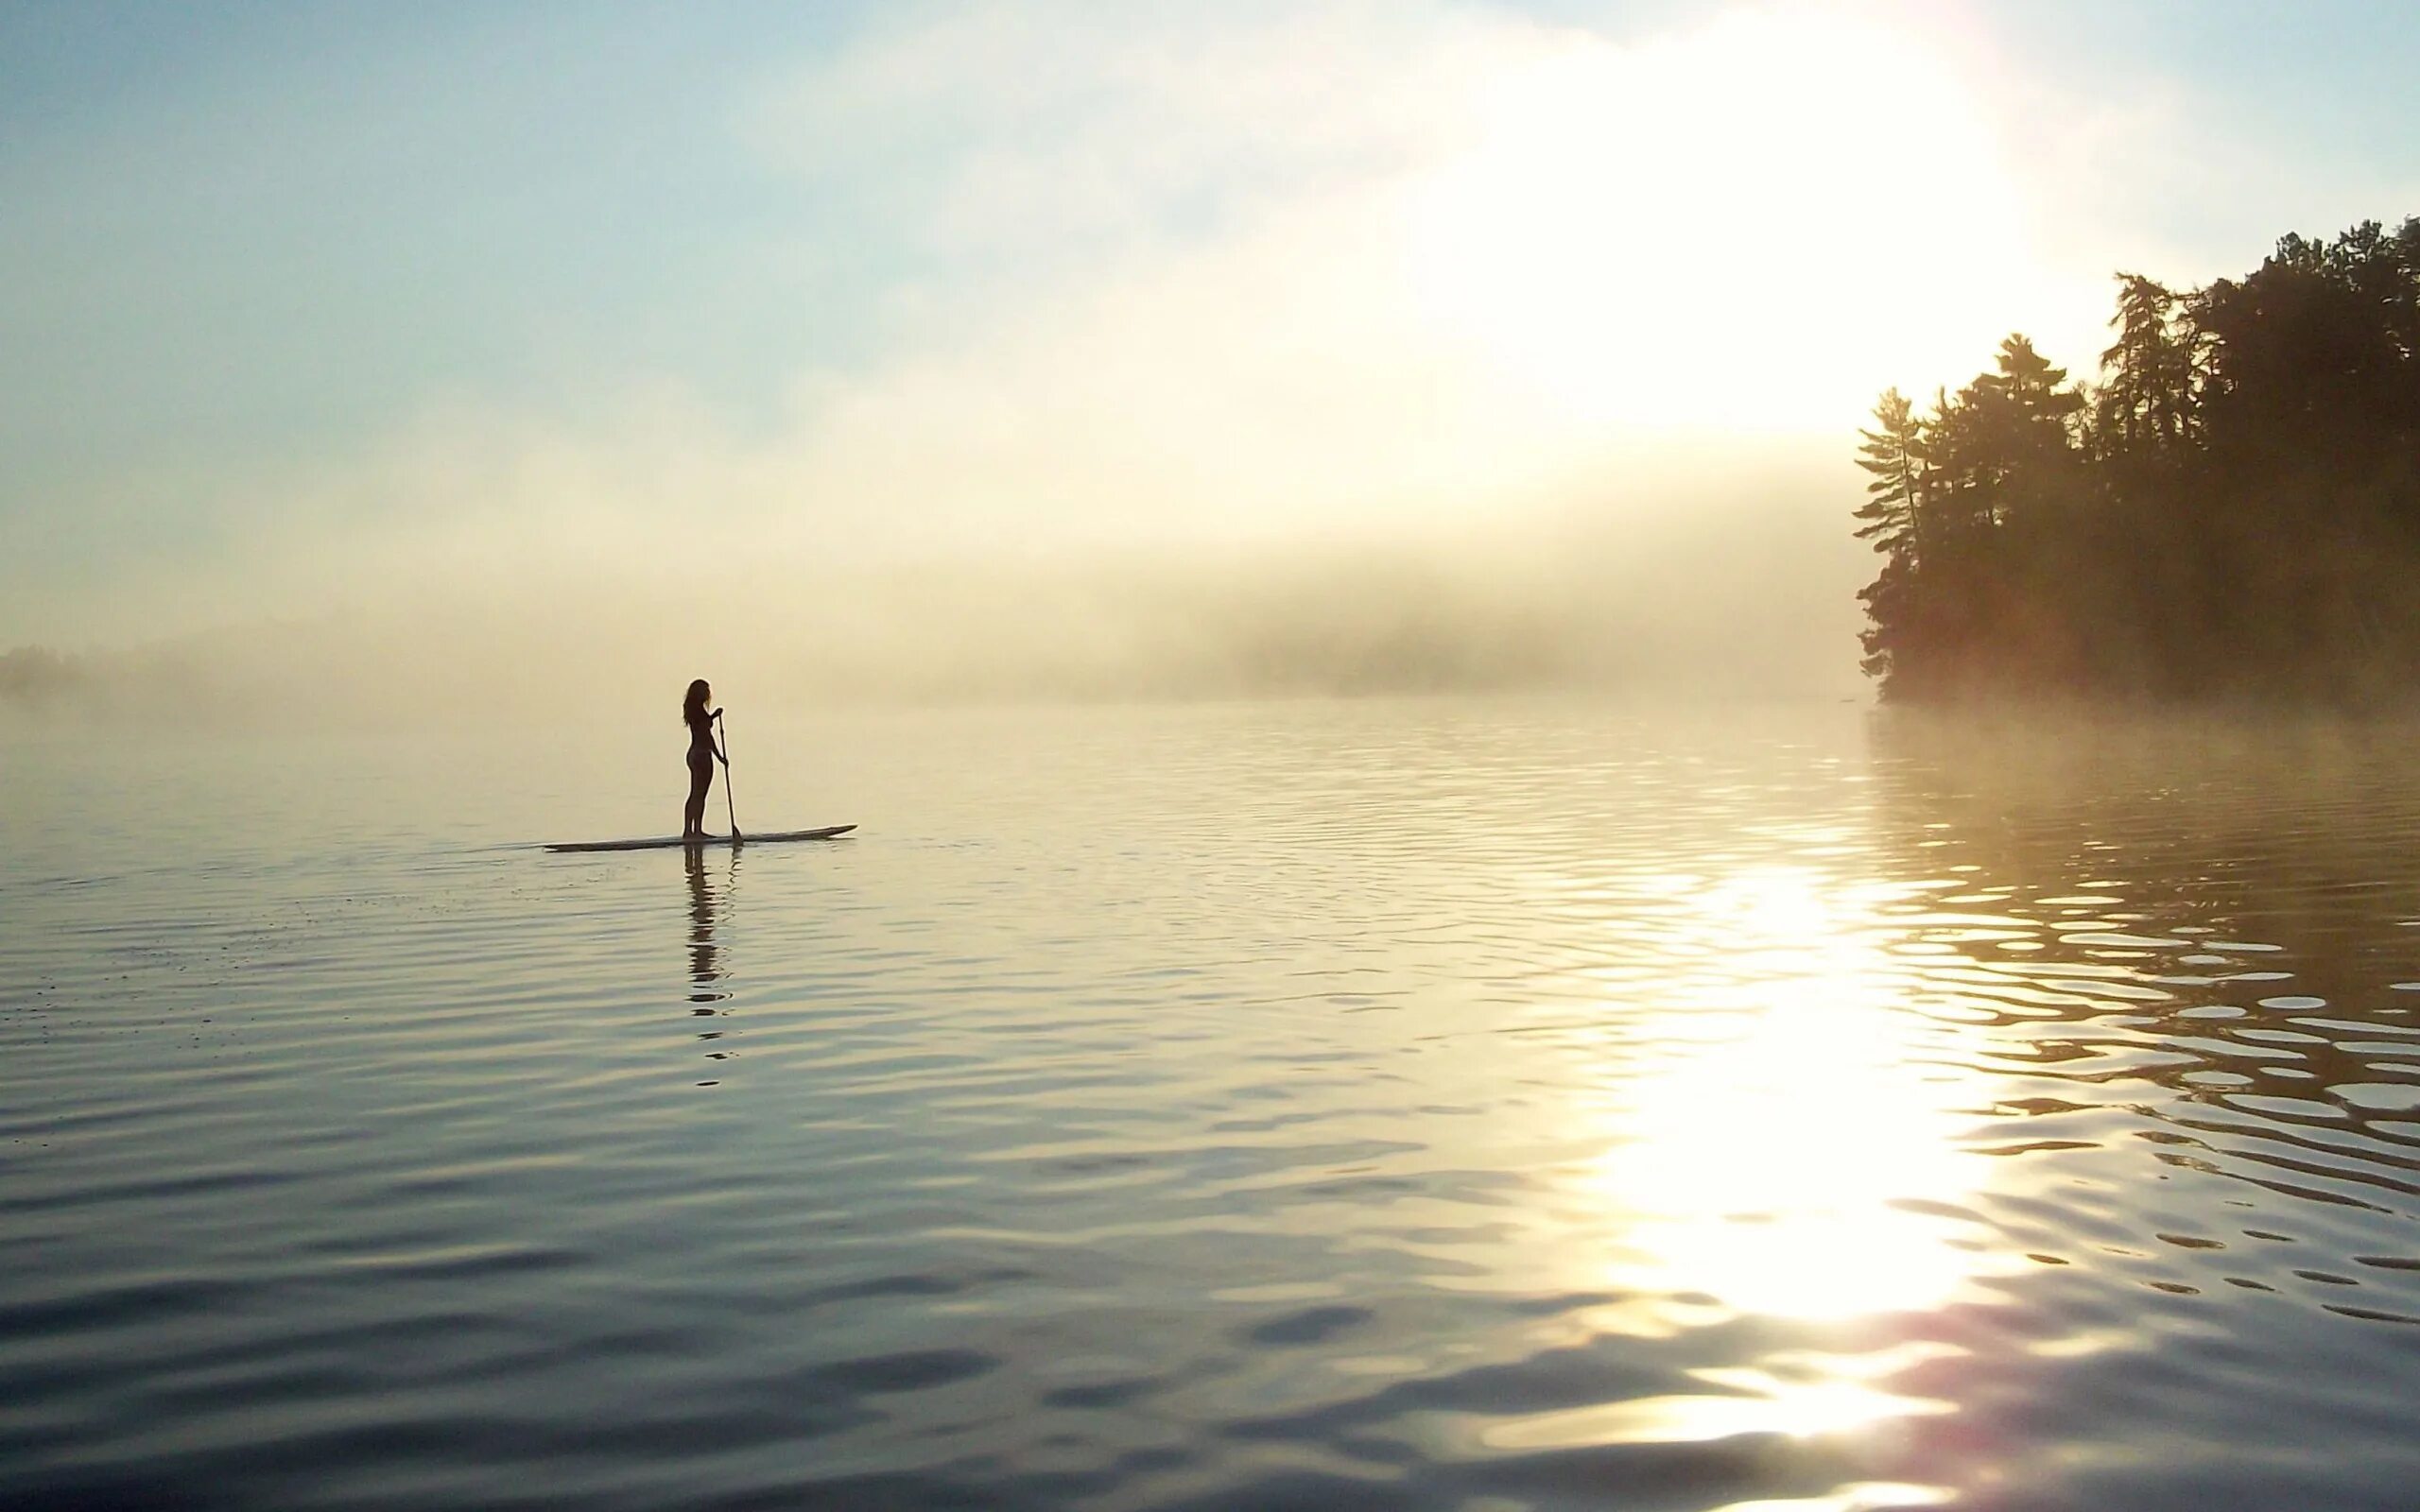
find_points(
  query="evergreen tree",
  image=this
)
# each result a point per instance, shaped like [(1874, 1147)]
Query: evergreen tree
[(2146, 395), (1893, 510)]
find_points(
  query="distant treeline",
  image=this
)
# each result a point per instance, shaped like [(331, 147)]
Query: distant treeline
[(34, 674), (2232, 510)]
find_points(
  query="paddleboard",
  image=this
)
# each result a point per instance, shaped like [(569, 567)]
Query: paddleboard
[(668, 842)]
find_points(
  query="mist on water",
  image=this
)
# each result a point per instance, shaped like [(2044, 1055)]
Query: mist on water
[(1732, 598)]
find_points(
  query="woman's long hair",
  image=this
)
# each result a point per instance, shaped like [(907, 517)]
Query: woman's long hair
[(693, 708)]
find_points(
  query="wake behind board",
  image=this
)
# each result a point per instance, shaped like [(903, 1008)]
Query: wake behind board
[(669, 842)]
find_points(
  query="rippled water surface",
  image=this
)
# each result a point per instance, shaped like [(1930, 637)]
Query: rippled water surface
[(1438, 1105)]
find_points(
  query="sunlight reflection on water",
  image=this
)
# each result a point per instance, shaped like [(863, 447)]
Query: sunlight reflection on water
[(1806, 1031)]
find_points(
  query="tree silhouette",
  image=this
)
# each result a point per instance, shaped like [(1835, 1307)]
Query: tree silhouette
[(1894, 455), (2146, 395), (2233, 509)]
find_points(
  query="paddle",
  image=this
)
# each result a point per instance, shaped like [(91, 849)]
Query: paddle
[(729, 810)]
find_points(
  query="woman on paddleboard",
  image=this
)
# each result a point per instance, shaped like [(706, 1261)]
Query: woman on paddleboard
[(703, 753)]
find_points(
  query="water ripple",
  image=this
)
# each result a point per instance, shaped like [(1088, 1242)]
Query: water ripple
[(1420, 1106)]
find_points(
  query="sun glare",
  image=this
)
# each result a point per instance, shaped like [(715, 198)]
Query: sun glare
[(1731, 229), (1775, 1135), (1799, 1155)]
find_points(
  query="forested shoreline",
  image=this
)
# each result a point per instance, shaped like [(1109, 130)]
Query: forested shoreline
[(2231, 511)]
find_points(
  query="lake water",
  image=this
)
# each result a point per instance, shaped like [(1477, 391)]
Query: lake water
[(1483, 1106)]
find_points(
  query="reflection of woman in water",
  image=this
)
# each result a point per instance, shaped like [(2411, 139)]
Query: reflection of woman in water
[(703, 753), (705, 965)]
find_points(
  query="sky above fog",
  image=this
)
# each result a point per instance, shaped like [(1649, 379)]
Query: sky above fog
[(307, 306)]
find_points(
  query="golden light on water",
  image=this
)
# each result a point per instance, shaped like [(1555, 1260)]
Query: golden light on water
[(1801, 1409), (1796, 1155), (1779, 1135)]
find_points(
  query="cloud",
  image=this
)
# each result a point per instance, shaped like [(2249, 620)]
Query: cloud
[(1038, 136)]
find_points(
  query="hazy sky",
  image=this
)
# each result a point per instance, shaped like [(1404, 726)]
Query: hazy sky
[(300, 304)]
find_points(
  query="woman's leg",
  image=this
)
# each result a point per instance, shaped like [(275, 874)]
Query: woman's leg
[(693, 813)]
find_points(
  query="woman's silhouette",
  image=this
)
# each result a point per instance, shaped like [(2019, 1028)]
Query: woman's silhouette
[(703, 753)]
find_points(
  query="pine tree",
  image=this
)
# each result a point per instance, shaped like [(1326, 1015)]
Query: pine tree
[(2147, 394), (1893, 510)]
